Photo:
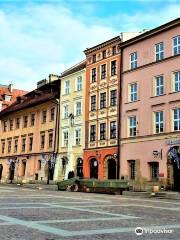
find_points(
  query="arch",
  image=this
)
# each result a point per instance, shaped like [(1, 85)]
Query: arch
[(173, 168), (1, 170), (93, 166), (79, 167), (11, 171), (110, 167), (23, 167)]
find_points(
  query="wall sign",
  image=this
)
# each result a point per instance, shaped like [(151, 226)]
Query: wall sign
[(173, 141)]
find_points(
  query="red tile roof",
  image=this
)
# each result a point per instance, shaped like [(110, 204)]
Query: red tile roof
[(6, 90)]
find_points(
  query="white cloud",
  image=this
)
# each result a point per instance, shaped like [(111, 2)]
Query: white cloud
[(38, 39)]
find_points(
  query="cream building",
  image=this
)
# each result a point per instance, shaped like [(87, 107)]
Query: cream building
[(72, 118)]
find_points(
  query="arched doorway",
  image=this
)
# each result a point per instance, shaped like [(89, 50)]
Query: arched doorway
[(93, 168), (80, 168), (111, 168), (23, 167), (11, 171), (174, 167), (1, 169)]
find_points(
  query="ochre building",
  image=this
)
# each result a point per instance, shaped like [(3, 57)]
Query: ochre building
[(28, 140)]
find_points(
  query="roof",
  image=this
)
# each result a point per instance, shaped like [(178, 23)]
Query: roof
[(102, 45), (5, 90), (150, 33), (73, 69), (36, 97)]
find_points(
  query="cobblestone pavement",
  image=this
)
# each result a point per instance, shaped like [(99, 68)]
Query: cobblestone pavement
[(27, 214)]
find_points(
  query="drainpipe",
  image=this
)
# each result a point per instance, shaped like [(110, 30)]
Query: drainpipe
[(119, 114)]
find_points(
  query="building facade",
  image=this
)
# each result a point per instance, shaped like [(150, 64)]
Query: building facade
[(72, 118), (101, 113), (150, 110), (28, 139), (8, 95)]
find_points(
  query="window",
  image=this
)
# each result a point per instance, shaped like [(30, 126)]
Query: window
[(23, 144), (103, 71), (30, 143), (176, 115), (78, 136), (133, 92), (133, 59), (15, 145), (154, 171), (113, 98), (113, 132), (32, 119), (44, 115), (66, 113), (25, 121), (3, 146), (159, 85), (177, 81), (132, 126), (7, 98), (50, 140), (113, 68), (104, 54), (65, 138), (52, 114), (159, 51), (17, 123), (94, 58), (102, 131), (42, 141), (132, 169), (114, 50), (93, 75), (93, 102), (78, 109), (5, 126), (159, 122), (66, 87), (102, 100), (9, 146), (176, 45), (79, 83), (11, 124), (93, 133)]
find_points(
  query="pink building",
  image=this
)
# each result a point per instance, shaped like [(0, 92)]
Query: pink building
[(150, 111)]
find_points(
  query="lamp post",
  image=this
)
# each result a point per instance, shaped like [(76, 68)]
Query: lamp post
[(115, 156), (50, 159)]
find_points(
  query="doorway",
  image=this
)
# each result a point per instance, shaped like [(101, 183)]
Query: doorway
[(111, 168), (93, 168), (174, 162), (80, 168), (1, 170)]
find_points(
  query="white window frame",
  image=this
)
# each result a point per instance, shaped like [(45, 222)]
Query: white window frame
[(66, 87), (78, 108), (77, 136), (133, 94), (159, 86), (132, 126), (176, 47), (65, 138), (158, 122), (176, 81), (65, 111), (133, 60), (177, 119), (159, 51), (79, 83)]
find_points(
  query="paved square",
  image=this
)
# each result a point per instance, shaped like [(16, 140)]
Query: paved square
[(27, 214)]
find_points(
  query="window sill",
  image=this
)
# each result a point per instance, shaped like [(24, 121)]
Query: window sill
[(158, 95), (132, 102), (174, 92)]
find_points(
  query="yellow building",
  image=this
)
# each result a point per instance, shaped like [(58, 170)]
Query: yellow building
[(28, 139), (72, 118)]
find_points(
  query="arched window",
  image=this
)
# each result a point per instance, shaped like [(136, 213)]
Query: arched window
[(93, 168)]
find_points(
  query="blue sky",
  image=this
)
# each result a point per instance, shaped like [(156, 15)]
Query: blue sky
[(42, 37)]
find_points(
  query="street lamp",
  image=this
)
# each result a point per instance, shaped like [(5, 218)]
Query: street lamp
[(50, 159)]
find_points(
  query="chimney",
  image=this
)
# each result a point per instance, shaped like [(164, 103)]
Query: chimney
[(53, 77), (10, 87)]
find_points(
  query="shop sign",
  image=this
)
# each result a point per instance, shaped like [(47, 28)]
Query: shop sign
[(173, 142)]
